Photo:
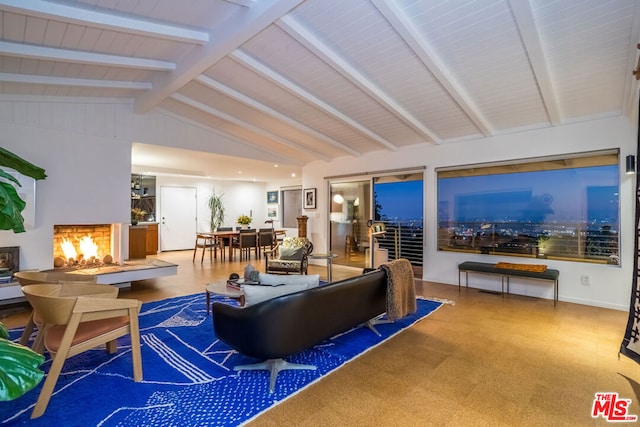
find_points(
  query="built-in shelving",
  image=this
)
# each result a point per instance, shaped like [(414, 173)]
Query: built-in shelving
[(143, 195)]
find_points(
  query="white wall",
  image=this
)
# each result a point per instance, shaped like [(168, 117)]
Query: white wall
[(238, 198), (610, 285), (249, 198), (86, 174), (84, 145)]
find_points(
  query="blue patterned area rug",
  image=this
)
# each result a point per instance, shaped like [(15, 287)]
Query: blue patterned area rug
[(188, 374)]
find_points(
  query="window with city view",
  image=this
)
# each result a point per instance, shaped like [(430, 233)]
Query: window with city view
[(564, 209)]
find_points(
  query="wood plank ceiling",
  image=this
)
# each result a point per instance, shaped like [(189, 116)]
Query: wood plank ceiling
[(303, 80)]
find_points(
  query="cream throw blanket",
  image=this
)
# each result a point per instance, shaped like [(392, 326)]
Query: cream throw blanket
[(401, 290)]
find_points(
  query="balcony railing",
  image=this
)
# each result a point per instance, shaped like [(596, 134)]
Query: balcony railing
[(581, 242), (403, 239)]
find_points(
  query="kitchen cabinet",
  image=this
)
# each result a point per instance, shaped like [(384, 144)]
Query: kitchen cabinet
[(137, 241), (152, 239)]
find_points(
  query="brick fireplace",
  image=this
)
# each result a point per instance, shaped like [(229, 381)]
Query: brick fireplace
[(85, 245)]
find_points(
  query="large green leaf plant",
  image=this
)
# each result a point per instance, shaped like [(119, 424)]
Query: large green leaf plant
[(11, 205), (19, 367)]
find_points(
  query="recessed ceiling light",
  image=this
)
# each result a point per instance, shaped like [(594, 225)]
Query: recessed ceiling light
[(275, 166), (293, 175)]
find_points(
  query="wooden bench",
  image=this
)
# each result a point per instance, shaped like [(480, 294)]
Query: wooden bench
[(486, 268)]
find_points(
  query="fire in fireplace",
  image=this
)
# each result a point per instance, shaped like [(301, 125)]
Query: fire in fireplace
[(82, 246)]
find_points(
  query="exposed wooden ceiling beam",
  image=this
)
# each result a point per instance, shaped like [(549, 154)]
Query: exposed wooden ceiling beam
[(423, 50), (333, 59), (78, 15), (246, 125), (225, 39), (74, 82), (245, 3), (529, 33), (66, 55), (229, 138), (266, 72), (250, 102)]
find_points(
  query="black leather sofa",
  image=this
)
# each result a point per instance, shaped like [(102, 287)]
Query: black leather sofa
[(288, 324)]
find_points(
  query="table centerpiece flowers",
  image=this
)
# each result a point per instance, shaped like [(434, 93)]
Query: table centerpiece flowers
[(244, 220)]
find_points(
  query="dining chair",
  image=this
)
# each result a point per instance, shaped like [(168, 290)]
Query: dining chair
[(280, 235), (206, 242), (266, 237), (75, 324), (224, 241), (350, 246), (247, 241)]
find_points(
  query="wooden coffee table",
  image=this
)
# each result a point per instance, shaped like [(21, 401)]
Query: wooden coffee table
[(221, 288)]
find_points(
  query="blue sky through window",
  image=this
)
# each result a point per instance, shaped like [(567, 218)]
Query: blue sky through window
[(400, 200), (588, 194)]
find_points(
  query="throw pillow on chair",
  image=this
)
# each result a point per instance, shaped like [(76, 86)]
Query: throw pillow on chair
[(291, 253)]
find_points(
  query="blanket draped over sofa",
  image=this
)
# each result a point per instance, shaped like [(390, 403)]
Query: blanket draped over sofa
[(401, 290)]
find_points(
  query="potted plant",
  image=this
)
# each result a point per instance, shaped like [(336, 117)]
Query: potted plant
[(137, 215), (244, 220), (217, 211), (11, 205)]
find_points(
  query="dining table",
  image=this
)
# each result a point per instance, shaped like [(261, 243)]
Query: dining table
[(230, 234), (219, 235)]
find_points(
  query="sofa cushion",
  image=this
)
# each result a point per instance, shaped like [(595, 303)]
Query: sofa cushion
[(253, 294), (291, 252)]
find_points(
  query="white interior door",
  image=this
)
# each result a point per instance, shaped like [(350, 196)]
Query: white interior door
[(178, 218)]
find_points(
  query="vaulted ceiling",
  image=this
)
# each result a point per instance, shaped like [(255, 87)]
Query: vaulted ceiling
[(321, 79)]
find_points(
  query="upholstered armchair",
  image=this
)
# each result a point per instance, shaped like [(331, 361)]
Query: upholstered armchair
[(290, 256)]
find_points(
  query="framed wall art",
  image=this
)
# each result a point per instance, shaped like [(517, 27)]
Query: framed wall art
[(272, 197), (309, 198)]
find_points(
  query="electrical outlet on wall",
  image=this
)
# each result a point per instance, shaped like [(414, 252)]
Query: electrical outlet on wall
[(586, 280)]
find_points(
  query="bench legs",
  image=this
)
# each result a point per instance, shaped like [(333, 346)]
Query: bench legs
[(466, 280), (502, 277), (555, 290), (466, 274)]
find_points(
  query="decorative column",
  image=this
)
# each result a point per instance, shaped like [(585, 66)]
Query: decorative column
[(302, 225)]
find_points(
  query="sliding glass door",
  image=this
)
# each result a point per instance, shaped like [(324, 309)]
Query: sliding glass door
[(398, 203), (397, 200), (350, 209)]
